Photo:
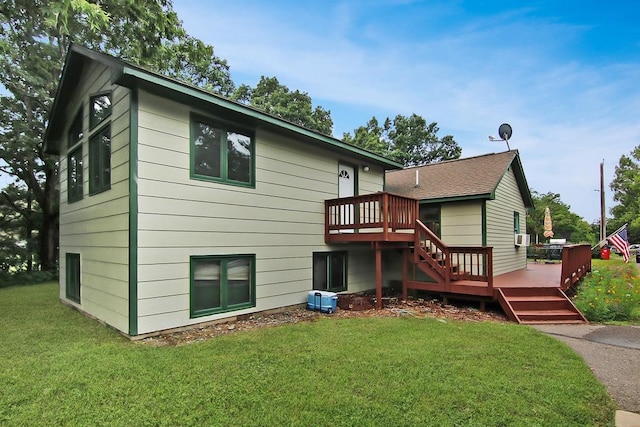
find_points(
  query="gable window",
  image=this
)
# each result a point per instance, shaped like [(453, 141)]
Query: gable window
[(330, 271), (516, 222), (73, 277), (222, 153), (100, 161), (222, 283), (74, 175), (99, 109), (75, 130)]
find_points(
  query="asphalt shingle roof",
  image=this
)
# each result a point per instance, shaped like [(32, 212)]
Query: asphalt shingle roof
[(471, 177)]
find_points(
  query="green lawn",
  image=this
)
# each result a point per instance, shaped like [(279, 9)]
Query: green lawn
[(61, 368)]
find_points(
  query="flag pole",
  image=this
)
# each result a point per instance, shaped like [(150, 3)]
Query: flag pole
[(607, 238)]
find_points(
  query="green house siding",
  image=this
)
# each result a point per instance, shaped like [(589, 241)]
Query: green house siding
[(136, 227), (95, 226), (280, 219), (501, 213)]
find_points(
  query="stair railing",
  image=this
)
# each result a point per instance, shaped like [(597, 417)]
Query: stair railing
[(430, 249), (452, 263)]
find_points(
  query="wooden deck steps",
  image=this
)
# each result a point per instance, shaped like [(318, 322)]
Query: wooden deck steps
[(538, 305)]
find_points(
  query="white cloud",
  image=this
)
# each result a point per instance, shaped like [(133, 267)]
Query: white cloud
[(471, 75)]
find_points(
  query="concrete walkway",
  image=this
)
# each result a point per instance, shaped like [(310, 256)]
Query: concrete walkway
[(613, 354)]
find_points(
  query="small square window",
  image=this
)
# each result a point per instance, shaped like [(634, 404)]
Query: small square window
[(74, 175), (99, 109), (330, 271)]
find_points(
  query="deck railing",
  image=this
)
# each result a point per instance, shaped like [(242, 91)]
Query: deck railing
[(576, 263), (453, 262), (381, 213)]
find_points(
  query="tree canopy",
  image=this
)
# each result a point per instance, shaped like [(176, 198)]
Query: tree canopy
[(34, 36), (276, 99), (407, 140), (566, 224), (626, 191)]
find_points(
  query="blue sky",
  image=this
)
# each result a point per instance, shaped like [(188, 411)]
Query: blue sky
[(563, 74)]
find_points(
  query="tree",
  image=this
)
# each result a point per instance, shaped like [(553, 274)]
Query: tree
[(276, 99), (626, 191), (566, 224), (16, 236), (34, 36), (407, 140)]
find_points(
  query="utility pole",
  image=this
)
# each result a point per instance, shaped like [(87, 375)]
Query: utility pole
[(603, 218)]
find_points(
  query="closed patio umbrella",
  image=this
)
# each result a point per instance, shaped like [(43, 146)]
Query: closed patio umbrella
[(548, 226)]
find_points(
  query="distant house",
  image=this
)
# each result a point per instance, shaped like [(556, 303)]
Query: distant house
[(178, 206), (476, 201)]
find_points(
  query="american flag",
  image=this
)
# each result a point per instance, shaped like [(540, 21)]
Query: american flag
[(621, 242)]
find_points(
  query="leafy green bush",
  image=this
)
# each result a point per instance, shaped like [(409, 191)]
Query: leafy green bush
[(610, 293), (26, 277)]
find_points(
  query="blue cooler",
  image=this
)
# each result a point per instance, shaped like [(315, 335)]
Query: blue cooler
[(322, 301)]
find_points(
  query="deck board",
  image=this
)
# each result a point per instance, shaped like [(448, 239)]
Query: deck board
[(536, 275)]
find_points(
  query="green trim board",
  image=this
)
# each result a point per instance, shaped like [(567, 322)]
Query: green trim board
[(133, 212), (484, 222), (458, 199)]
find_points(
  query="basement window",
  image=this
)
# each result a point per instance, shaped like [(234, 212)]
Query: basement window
[(330, 271), (222, 283)]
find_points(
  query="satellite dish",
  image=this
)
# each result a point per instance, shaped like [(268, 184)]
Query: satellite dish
[(505, 131)]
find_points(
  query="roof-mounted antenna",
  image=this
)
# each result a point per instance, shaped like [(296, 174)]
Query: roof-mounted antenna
[(505, 132)]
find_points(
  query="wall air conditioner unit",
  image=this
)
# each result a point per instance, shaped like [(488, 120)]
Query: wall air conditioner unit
[(522, 239)]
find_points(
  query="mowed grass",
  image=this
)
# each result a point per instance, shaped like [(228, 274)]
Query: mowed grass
[(61, 368)]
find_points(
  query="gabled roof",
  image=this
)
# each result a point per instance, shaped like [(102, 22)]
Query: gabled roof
[(461, 179), (133, 76)]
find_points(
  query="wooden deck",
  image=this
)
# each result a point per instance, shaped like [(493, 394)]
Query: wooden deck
[(388, 221), (538, 275)]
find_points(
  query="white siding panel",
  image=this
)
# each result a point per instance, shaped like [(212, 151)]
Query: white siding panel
[(96, 226), (164, 287), (461, 223), (506, 256), (281, 220), (361, 269)]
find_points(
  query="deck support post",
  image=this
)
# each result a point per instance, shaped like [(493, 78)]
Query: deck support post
[(378, 277), (405, 273)]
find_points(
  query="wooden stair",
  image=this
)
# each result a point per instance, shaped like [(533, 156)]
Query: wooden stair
[(538, 305)]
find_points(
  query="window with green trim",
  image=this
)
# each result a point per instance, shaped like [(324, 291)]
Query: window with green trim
[(99, 109), (100, 161), (330, 271), (516, 222), (74, 175), (75, 130), (73, 277), (222, 283), (222, 153)]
